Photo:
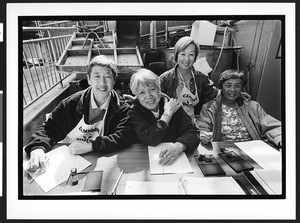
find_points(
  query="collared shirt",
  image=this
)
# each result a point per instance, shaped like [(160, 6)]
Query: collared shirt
[(96, 113), (87, 132), (189, 84), (156, 114)]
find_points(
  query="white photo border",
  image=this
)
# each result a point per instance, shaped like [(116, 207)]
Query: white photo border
[(147, 209)]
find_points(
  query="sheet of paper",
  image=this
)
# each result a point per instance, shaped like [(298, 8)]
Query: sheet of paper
[(80, 193), (266, 156), (142, 187), (212, 186), (270, 180), (180, 165), (58, 171)]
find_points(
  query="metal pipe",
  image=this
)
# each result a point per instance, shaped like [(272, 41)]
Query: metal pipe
[(44, 61), (24, 29)]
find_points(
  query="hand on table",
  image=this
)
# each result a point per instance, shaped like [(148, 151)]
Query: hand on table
[(169, 154), (38, 159), (206, 137), (80, 148)]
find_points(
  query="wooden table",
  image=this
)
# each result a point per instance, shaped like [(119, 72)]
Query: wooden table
[(134, 162)]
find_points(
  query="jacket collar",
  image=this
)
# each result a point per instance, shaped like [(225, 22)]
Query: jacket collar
[(217, 101), (175, 75), (83, 103)]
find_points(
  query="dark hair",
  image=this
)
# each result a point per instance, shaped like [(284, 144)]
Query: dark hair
[(102, 60), (182, 43), (232, 74)]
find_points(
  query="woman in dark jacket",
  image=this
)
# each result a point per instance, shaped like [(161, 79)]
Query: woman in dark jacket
[(185, 83), (156, 118)]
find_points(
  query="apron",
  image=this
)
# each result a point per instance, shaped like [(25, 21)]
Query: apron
[(85, 133), (187, 99)]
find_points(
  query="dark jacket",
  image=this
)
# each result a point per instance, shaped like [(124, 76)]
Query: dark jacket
[(118, 131), (259, 124), (205, 87), (152, 131)]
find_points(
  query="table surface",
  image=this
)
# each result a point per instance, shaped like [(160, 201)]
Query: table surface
[(134, 162)]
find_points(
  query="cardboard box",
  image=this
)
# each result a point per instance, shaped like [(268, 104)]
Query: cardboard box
[(203, 32)]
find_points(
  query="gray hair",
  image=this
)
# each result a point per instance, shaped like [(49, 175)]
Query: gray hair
[(143, 77), (102, 60)]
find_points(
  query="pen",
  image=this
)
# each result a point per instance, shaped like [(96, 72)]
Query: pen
[(183, 186), (34, 175), (116, 184), (252, 192)]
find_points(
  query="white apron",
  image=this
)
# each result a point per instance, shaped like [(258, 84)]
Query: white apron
[(85, 133), (187, 99)]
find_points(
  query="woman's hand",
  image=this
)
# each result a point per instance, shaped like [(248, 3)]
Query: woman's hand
[(170, 153), (245, 96), (206, 137), (80, 148), (38, 159), (171, 106)]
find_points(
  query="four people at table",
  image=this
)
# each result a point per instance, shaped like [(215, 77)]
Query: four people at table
[(98, 119)]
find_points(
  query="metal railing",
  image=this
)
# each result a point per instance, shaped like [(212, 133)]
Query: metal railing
[(39, 60)]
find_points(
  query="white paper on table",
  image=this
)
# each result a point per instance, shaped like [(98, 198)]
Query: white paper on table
[(270, 180), (212, 186), (79, 193), (61, 161), (192, 186), (266, 156), (180, 165), (142, 187)]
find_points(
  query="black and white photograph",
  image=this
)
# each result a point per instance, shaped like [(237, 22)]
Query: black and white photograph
[(170, 108)]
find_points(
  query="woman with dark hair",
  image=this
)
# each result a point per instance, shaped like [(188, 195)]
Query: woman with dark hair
[(230, 118), (183, 82), (189, 86)]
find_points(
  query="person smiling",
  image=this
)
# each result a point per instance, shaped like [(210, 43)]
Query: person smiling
[(189, 86), (156, 118), (230, 118), (95, 119)]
